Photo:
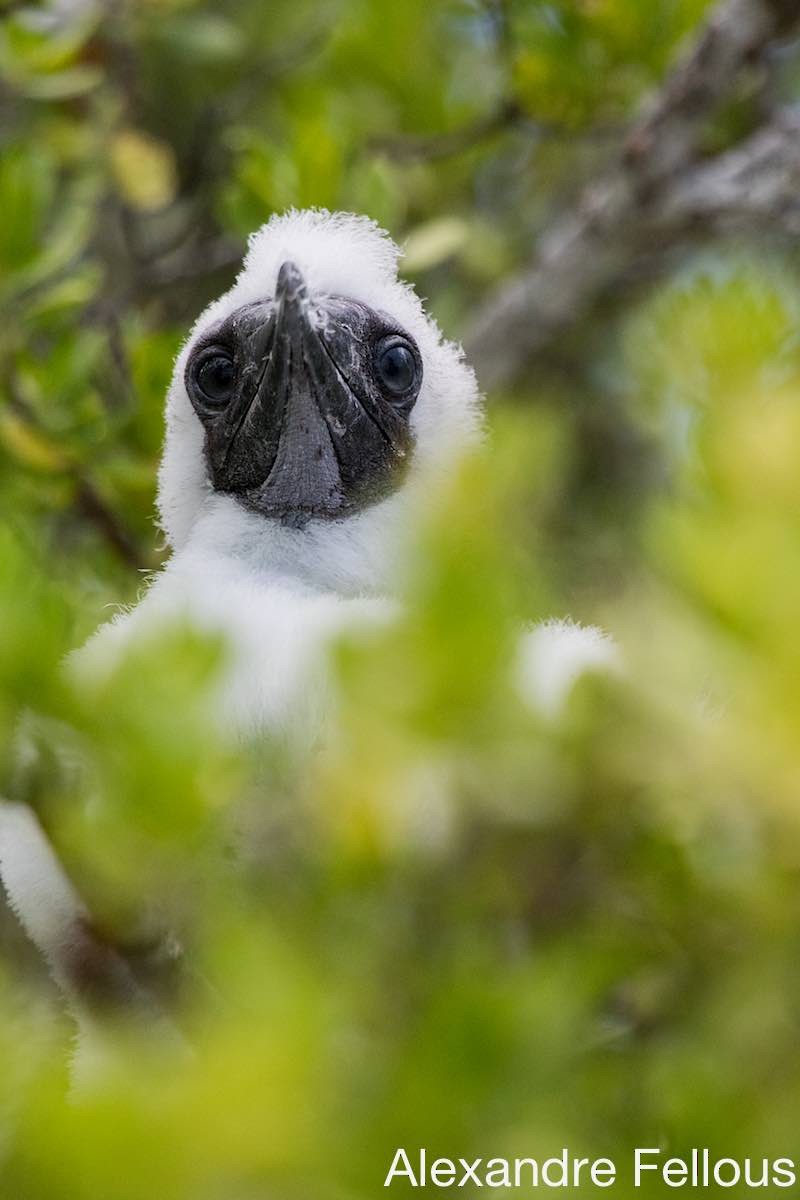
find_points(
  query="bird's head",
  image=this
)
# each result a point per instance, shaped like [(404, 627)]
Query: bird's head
[(312, 397)]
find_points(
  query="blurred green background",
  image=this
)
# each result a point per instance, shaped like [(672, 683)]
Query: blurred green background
[(465, 928)]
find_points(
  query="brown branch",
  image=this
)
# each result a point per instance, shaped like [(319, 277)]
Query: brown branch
[(738, 34), (645, 192), (105, 520), (755, 185)]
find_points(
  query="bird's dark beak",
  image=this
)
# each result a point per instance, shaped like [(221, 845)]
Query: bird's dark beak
[(298, 391), (306, 434), (315, 391)]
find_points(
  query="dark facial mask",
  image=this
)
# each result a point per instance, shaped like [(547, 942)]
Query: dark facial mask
[(305, 403)]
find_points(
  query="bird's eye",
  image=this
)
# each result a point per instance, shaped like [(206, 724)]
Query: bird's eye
[(396, 365), (215, 376)]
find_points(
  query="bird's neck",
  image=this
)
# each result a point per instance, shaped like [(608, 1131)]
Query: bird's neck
[(354, 556)]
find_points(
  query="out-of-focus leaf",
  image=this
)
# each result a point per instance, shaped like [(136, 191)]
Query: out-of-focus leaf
[(31, 49), (28, 445), (27, 184), (144, 169), (432, 243), (64, 85), (203, 37)]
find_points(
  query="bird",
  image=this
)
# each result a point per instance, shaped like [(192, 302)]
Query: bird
[(313, 408)]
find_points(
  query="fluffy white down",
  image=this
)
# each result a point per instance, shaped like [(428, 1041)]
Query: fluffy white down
[(552, 657), (39, 892), (278, 631)]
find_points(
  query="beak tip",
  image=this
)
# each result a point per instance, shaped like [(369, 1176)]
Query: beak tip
[(291, 286)]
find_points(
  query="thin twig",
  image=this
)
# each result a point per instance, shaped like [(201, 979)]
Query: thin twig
[(105, 520), (436, 146)]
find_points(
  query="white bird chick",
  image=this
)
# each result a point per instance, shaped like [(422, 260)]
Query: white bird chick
[(310, 406), (310, 409)]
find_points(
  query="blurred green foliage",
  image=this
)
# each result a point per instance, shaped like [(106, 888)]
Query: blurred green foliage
[(462, 928)]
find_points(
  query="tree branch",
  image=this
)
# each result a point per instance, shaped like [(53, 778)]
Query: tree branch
[(653, 187), (757, 184)]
